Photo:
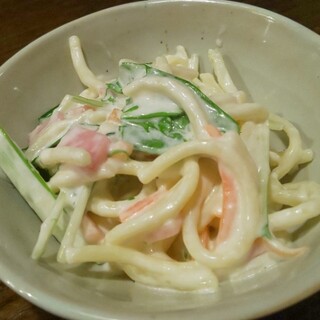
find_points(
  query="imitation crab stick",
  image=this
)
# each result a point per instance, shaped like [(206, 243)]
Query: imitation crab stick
[(229, 194), (229, 207), (95, 143), (139, 205)]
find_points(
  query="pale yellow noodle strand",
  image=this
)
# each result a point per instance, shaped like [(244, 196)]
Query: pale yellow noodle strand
[(294, 154), (291, 194), (131, 167), (68, 177), (221, 71), (246, 111), (304, 199), (292, 218), (76, 156), (84, 73), (104, 207), (149, 270)]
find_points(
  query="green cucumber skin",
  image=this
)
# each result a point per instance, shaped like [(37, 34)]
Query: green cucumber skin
[(17, 153), (140, 129), (220, 119), (27, 180)]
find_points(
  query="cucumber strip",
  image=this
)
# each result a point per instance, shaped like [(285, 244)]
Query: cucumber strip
[(71, 236), (154, 131), (152, 115), (48, 225), (130, 71), (28, 181), (155, 135), (90, 102)]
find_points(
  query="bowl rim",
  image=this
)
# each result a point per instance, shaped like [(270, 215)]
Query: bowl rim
[(61, 308)]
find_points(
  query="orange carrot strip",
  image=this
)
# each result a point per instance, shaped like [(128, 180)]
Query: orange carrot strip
[(140, 205), (229, 196), (229, 206)]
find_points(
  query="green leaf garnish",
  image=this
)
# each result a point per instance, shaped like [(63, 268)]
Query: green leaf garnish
[(90, 102)]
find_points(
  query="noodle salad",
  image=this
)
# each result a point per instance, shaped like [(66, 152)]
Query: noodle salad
[(165, 174)]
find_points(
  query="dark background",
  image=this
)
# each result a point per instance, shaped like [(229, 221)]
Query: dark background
[(22, 21)]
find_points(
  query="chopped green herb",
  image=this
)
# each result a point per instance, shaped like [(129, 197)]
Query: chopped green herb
[(90, 102), (115, 86), (133, 108)]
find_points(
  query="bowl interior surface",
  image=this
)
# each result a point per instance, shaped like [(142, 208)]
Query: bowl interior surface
[(273, 59)]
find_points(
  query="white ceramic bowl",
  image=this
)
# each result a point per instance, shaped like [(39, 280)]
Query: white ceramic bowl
[(274, 59)]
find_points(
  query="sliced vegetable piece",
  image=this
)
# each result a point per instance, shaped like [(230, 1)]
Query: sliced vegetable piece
[(90, 102), (115, 86), (155, 134), (130, 71), (28, 181)]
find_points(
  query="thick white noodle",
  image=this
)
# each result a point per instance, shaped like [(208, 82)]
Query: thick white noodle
[(294, 154), (221, 71), (303, 199), (51, 157), (148, 269), (84, 73), (102, 204)]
